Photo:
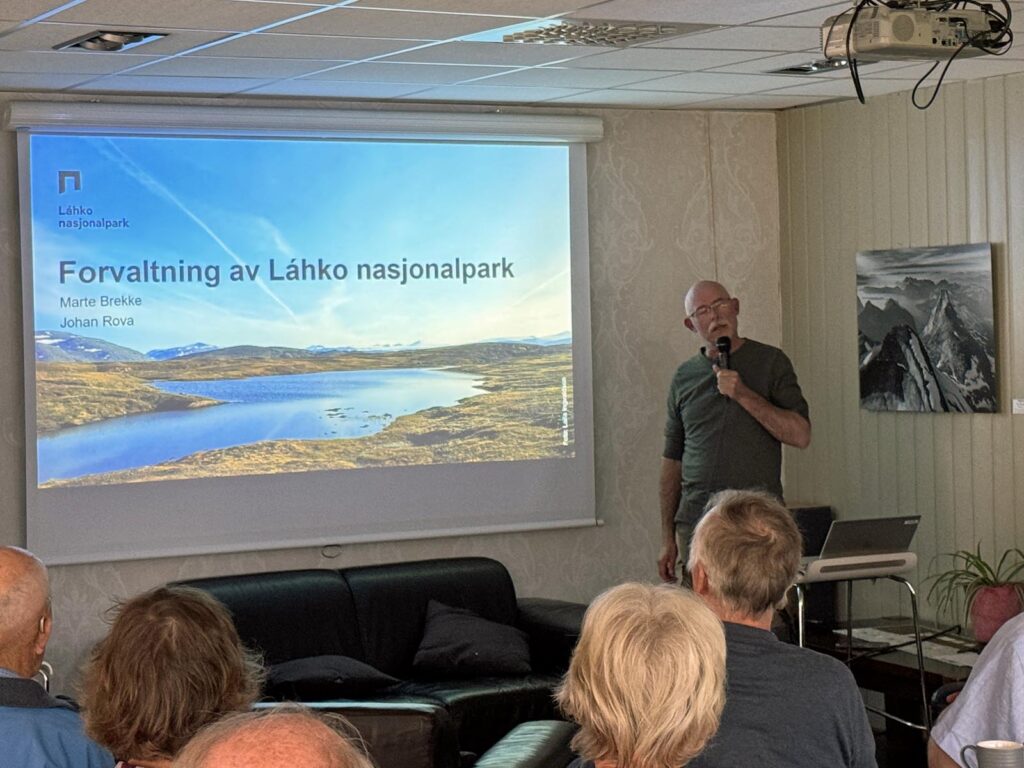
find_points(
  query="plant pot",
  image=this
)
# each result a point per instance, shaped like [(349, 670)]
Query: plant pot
[(993, 607)]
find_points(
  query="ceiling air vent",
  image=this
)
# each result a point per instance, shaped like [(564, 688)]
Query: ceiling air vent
[(606, 33), (109, 42)]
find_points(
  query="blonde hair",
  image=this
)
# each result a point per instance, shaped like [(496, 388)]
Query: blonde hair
[(171, 663), (257, 738), (647, 679), (749, 547)]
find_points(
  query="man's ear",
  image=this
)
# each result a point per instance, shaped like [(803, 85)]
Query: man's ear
[(699, 577), (43, 635), (689, 324)]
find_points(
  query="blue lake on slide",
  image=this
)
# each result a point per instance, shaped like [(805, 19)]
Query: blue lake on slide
[(309, 406)]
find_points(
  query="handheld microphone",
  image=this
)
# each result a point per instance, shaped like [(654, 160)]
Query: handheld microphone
[(724, 345)]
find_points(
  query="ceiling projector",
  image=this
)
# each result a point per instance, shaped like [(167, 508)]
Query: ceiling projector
[(884, 33)]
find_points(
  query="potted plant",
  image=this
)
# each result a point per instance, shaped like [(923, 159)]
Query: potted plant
[(991, 595)]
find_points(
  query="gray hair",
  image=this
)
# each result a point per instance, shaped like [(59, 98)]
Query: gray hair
[(749, 547)]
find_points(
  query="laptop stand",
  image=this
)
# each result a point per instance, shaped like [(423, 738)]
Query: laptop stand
[(844, 574)]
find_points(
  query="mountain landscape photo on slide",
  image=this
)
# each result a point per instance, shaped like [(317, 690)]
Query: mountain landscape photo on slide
[(926, 329)]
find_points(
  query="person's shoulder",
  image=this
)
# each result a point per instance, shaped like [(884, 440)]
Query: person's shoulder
[(820, 664), (1011, 632), (762, 349)]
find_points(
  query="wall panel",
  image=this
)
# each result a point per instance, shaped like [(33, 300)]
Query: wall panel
[(948, 175)]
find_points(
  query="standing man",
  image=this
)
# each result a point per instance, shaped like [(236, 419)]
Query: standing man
[(727, 421), (36, 730)]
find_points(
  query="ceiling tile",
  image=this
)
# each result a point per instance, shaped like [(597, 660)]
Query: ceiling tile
[(495, 94), (225, 15), (905, 70), (337, 90), (634, 99), (707, 82), (667, 60), (763, 101), (389, 72), (811, 19), (271, 45), (502, 54), (984, 66), (16, 81), (522, 8), (565, 77), (57, 62), (747, 39), (697, 11), (21, 10), (44, 36), (222, 66), (405, 25), (182, 85), (844, 88)]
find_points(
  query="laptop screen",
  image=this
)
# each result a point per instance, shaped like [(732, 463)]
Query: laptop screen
[(877, 536)]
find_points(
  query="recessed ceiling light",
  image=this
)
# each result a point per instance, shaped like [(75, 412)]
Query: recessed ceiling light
[(815, 67), (110, 42)]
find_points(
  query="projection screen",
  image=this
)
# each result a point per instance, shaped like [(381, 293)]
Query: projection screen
[(252, 329)]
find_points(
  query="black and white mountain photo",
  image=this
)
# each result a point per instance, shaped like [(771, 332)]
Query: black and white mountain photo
[(926, 329)]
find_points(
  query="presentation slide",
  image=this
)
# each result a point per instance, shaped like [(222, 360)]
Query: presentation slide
[(207, 308)]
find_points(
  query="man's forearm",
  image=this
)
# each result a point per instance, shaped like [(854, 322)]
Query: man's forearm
[(787, 427), (937, 758), (670, 492)]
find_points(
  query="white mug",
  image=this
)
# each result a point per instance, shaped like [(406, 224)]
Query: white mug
[(995, 754)]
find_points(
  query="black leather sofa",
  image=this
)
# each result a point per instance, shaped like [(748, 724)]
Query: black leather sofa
[(377, 615)]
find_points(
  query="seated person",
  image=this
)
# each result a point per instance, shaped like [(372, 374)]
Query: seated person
[(785, 706), (646, 682), (35, 728), (171, 663), (281, 737), (991, 705)]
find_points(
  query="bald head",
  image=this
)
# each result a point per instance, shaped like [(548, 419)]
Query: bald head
[(24, 611), (703, 289), (711, 312), (275, 738)]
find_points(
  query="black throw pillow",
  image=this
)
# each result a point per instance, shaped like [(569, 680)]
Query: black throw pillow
[(324, 677), (459, 643)]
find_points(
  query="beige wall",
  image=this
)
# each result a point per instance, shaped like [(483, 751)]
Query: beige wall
[(886, 175), (673, 197)]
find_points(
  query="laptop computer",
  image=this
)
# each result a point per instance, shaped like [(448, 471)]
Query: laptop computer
[(857, 549)]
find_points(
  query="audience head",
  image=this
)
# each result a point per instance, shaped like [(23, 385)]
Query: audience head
[(278, 737), (745, 554), (171, 663), (647, 679), (25, 618)]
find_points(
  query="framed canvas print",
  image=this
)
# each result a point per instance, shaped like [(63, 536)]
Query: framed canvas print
[(926, 329)]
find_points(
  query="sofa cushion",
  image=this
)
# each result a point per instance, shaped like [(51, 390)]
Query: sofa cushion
[(458, 643), (317, 678), (485, 709), (289, 615), (391, 603)]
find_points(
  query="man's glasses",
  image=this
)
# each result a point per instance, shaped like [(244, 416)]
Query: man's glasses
[(705, 311)]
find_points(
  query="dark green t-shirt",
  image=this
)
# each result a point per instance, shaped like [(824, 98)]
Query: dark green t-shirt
[(721, 445)]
